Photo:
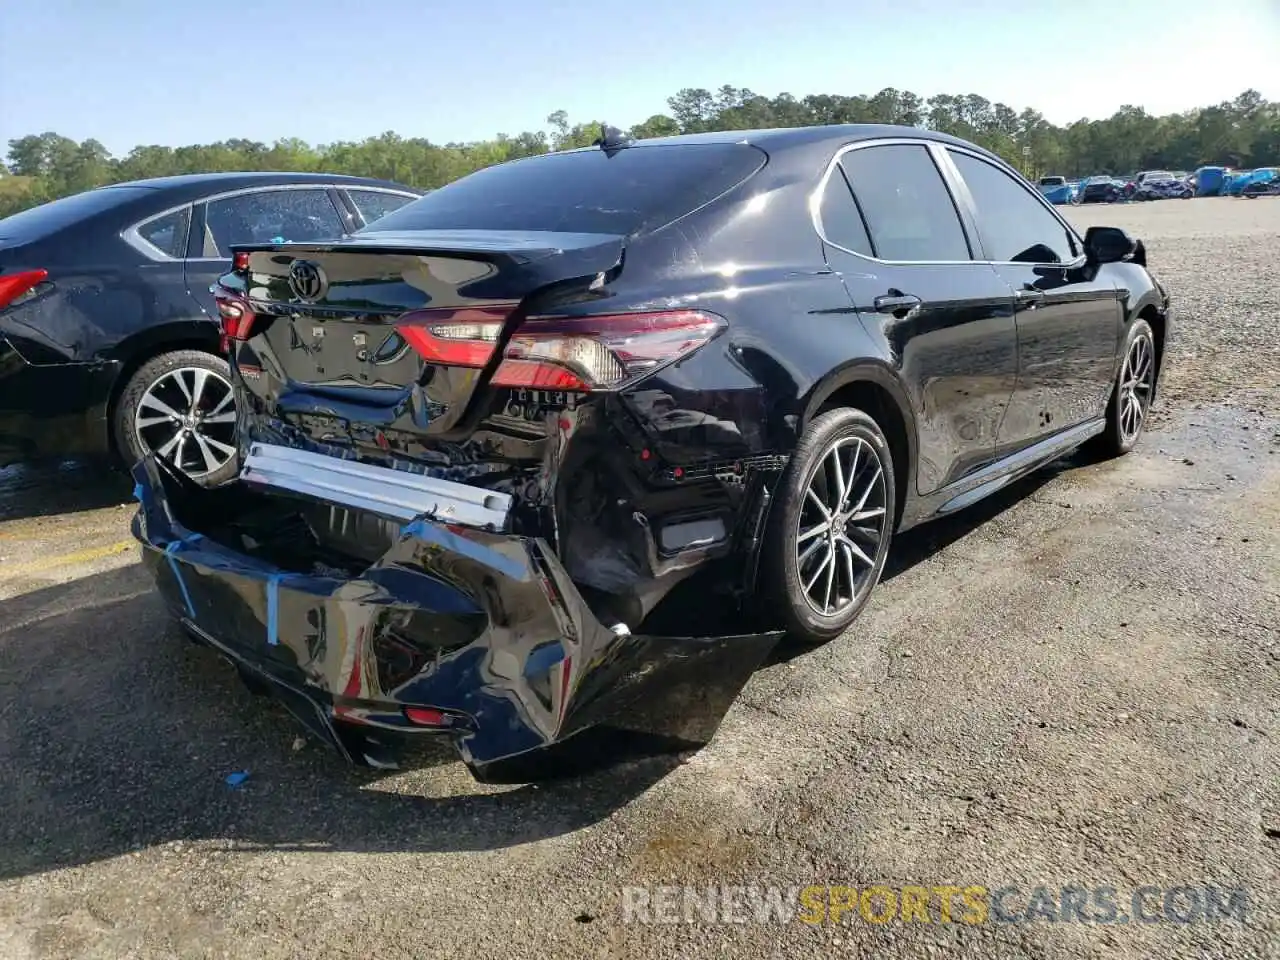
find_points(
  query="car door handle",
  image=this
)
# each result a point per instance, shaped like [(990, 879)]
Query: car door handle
[(895, 302), (1029, 297)]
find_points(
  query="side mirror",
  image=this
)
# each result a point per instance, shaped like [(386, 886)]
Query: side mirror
[(1108, 245)]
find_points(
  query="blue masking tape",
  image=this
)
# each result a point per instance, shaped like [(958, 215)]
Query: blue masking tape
[(273, 609), (137, 492), (169, 551)]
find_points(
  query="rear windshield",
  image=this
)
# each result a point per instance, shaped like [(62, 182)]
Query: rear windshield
[(638, 189), (48, 218), (1053, 181)]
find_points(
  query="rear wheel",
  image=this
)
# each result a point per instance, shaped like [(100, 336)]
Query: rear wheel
[(830, 526), (1133, 391), (181, 407)]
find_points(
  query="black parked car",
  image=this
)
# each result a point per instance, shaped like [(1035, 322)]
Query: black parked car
[(109, 339), (570, 443), (1101, 190)]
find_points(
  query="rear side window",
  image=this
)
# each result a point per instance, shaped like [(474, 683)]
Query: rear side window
[(637, 189), (907, 206), (841, 221), (168, 233), (374, 204), (1015, 226), (269, 216), (48, 218)]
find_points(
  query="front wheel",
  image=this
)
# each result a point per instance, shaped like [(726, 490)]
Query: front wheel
[(180, 406), (830, 526), (1133, 391)]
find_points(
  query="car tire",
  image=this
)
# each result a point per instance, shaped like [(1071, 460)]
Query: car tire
[(817, 584), (1131, 395), (179, 405)]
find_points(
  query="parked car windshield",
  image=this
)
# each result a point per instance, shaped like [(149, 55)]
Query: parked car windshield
[(637, 189), (48, 218), (1053, 181)]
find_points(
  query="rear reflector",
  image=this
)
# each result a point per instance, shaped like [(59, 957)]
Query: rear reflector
[(426, 717), (604, 352), (14, 285), (235, 315)]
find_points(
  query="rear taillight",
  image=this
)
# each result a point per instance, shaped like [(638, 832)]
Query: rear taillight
[(15, 285), (561, 353), (235, 315)]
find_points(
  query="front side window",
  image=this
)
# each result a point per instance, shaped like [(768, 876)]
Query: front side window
[(1015, 226), (907, 207), (269, 216), (168, 233)]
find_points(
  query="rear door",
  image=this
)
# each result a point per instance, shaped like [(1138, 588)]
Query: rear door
[(944, 318), (284, 214), (1069, 315)]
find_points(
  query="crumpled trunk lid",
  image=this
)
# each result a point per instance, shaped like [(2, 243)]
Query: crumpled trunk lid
[(336, 324)]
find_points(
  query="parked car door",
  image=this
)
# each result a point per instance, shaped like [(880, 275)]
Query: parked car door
[(265, 215), (945, 319), (1069, 315)]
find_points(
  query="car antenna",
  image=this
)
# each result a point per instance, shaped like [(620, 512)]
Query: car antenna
[(611, 140)]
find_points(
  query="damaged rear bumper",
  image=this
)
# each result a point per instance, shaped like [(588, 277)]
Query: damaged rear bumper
[(454, 631)]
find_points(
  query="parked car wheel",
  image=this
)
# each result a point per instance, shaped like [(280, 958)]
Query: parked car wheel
[(830, 526), (1131, 396), (180, 405)]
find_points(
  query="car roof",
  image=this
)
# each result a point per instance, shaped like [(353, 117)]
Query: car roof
[(781, 137), (234, 180)]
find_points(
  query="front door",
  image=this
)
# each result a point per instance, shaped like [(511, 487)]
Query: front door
[(944, 319), (1068, 317)]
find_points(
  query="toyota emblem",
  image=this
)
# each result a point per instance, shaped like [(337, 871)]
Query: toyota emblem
[(307, 280)]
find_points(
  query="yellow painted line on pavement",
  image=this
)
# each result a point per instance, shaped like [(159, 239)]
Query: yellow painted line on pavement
[(87, 555)]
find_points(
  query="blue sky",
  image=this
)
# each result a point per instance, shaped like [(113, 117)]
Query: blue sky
[(175, 72)]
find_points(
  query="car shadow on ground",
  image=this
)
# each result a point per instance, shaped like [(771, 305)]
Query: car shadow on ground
[(118, 734), (28, 491), (918, 544)]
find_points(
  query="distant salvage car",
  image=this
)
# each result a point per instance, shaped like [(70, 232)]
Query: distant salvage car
[(1057, 190), (1161, 186), (109, 337), (562, 449), (1101, 190)]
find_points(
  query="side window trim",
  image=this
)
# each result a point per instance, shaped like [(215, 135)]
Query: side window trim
[(962, 189), (132, 235), (324, 188), (946, 173), (347, 189)]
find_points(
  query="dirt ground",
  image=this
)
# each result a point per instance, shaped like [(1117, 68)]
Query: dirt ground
[(1074, 684)]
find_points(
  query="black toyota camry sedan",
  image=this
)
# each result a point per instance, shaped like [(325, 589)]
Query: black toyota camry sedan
[(569, 444), (109, 341)]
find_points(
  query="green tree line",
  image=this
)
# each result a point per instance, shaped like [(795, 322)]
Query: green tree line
[(1243, 132)]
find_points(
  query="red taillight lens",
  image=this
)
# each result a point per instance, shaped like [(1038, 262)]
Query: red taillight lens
[(240, 261), (561, 353), (426, 716), (456, 338), (14, 285), (235, 315)]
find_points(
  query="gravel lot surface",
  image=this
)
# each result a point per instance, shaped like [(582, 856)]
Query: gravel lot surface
[(1076, 683)]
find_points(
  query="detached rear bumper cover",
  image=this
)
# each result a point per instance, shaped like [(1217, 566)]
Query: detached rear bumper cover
[(486, 628)]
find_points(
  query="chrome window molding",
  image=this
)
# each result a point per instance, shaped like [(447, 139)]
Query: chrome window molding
[(131, 235)]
